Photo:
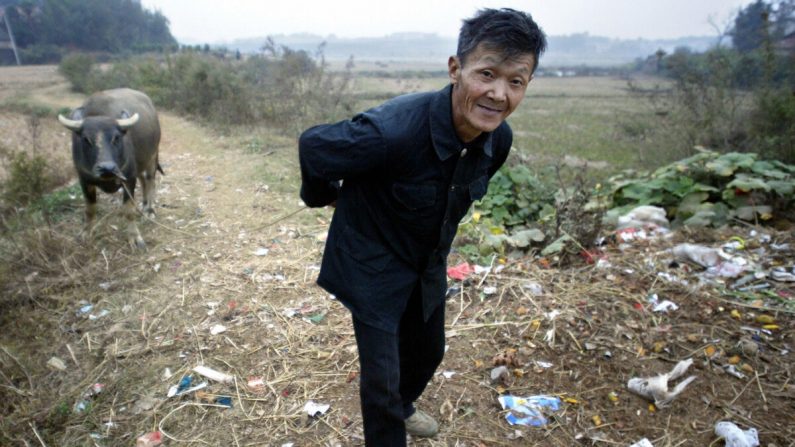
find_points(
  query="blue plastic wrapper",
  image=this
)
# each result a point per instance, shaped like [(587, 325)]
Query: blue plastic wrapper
[(224, 400), (529, 410), (184, 384)]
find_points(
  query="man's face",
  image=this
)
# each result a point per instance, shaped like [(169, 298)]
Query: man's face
[(487, 89)]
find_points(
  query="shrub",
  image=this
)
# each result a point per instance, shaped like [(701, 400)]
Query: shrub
[(286, 88), (27, 179), (78, 69)]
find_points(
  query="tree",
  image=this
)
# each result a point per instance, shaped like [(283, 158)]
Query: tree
[(91, 25), (750, 27)]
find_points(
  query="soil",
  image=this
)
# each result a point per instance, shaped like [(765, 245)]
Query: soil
[(227, 282)]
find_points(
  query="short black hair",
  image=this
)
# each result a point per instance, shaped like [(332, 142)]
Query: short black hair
[(506, 30)]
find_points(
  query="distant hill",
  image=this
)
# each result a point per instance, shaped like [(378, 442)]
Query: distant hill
[(570, 50)]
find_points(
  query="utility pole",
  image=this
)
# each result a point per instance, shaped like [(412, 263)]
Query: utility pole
[(13, 44)]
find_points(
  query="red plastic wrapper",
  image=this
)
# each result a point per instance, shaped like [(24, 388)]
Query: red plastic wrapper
[(152, 439), (460, 272)]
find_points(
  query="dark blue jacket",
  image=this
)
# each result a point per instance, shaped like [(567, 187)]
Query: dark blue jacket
[(407, 181)]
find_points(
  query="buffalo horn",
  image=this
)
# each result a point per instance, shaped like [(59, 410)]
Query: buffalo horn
[(73, 125), (126, 123)]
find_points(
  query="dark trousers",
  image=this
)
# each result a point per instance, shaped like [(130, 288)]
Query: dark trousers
[(395, 368)]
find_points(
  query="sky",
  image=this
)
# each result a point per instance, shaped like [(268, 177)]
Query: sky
[(216, 21)]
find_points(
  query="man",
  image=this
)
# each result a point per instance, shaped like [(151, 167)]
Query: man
[(402, 176)]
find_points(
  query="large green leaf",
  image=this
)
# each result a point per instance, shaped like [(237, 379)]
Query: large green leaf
[(750, 212), (783, 188), (557, 246), (691, 203), (768, 169), (747, 183), (701, 218), (637, 191), (726, 164), (522, 239)]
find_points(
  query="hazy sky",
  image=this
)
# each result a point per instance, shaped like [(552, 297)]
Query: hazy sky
[(219, 20)]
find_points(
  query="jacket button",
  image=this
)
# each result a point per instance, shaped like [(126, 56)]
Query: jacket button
[(464, 152)]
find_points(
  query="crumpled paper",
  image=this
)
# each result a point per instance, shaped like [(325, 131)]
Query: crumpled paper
[(735, 437), (529, 410), (656, 388), (314, 409)]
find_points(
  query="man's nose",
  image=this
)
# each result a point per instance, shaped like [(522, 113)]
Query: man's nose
[(499, 91)]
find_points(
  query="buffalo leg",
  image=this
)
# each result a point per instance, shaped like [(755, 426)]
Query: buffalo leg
[(130, 212), (90, 194), (148, 188)]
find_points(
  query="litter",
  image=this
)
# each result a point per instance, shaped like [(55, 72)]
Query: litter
[(782, 275), (656, 388), (460, 271), (499, 373), (226, 401), (152, 439), (534, 288), (101, 314), (489, 290), (261, 252), (735, 437), (664, 306), (529, 410), (256, 384), (85, 398), (479, 269), (728, 269), (645, 216), (643, 443), (217, 329), (314, 409), (184, 387), (733, 371), (85, 309), (56, 363), (699, 254), (213, 374)]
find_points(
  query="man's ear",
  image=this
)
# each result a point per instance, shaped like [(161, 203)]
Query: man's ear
[(453, 69)]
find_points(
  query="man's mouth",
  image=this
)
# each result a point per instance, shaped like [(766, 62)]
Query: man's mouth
[(490, 110)]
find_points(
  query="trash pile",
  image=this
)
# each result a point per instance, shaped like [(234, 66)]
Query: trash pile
[(746, 279)]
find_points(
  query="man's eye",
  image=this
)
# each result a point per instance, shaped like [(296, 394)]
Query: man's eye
[(487, 73)]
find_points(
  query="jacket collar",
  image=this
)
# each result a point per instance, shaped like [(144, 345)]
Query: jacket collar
[(443, 135)]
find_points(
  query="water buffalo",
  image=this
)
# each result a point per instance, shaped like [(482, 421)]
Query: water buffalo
[(115, 139)]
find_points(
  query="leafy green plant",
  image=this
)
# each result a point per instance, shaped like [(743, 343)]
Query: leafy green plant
[(523, 211), (707, 189), (516, 197)]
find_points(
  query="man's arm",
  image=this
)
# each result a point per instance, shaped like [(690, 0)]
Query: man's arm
[(332, 152)]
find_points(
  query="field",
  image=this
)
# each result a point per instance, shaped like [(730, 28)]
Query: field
[(93, 335)]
